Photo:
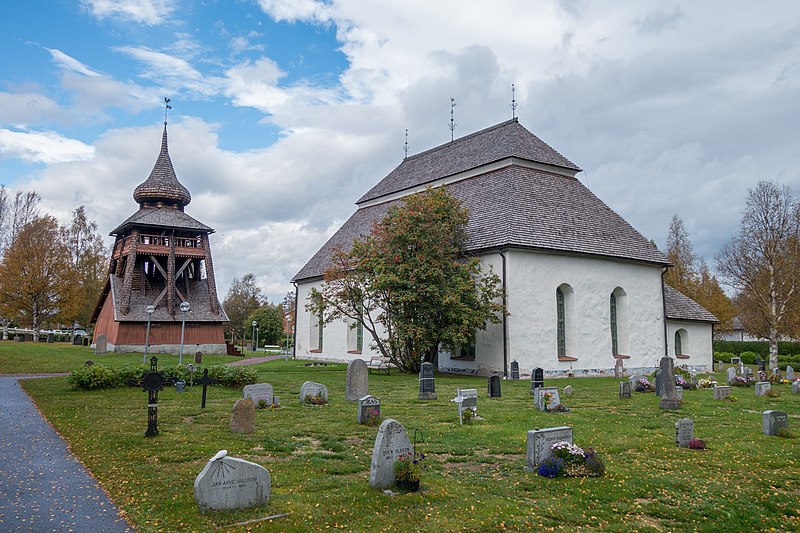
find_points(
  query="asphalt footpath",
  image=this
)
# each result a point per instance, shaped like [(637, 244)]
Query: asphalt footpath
[(42, 486)]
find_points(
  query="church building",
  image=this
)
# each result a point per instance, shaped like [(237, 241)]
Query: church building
[(583, 288), (161, 282)]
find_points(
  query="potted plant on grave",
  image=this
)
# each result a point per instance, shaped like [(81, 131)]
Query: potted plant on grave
[(407, 472)]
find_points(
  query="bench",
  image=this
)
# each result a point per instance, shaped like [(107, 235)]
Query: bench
[(380, 364)]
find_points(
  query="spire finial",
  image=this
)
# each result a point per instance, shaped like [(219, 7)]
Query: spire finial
[(405, 146), (167, 107), (452, 119), (513, 103)]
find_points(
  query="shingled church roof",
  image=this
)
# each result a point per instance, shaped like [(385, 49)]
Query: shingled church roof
[(162, 185), (678, 306), (519, 193)]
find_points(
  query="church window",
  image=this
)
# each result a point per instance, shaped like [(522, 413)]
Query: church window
[(614, 345), (562, 323)]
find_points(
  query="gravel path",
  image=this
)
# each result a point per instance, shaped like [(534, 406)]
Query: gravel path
[(42, 486)]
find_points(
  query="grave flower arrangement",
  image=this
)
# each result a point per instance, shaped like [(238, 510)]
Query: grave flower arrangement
[(570, 460), (680, 382), (709, 383), (316, 400), (408, 471), (552, 407), (642, 385), (742, 381)]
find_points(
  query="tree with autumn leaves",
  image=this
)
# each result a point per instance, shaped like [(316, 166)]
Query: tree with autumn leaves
[(411, 284)]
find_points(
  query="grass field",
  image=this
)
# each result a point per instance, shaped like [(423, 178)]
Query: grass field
[(318, 457)]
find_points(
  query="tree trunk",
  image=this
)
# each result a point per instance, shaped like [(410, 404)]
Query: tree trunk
[(773, 348)]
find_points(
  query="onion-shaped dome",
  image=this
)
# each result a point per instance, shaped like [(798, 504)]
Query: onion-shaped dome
[(162, 185)]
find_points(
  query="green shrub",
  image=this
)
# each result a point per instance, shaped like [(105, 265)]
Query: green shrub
[(724, 357), (748, 358), (234, 377), (92, 377), (130, 372)]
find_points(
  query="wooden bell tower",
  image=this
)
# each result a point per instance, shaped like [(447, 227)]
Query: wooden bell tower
[(161, 258)]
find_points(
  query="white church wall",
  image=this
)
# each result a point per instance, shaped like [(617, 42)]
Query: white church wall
[(696, 342)]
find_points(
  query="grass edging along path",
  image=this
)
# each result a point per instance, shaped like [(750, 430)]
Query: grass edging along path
[(318, 457)]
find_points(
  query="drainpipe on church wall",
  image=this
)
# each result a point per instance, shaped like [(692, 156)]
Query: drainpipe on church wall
[(505, 319), (294, 321)]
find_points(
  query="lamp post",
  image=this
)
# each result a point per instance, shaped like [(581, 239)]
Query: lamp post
[(253, 337), (184, 309), (150, 309)]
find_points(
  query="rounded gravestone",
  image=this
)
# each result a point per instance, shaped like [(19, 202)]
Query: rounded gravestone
[(228, 483), (390, 444), (357, 384)]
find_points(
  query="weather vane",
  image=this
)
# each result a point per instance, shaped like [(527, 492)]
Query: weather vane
[(513, 103), (167, 107), (405, 146), (452, 120)]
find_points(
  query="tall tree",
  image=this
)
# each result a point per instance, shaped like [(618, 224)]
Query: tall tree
[(410, 283), (88, 255), (682, 275), (243, 298), (269, 319), (762, 261), (37, 280)]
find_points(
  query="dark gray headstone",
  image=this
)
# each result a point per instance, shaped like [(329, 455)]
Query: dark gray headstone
[(514, 371), (228, 483), (369, 408), (427, 387), (198, 358), (259, 392), (659, 382), (540, 441), (357, 381), (684, 432), (101, 345), (668, 397), (722, 392), (77, 341), (494, 387), (771, 421), (390, 444), (762, 365), (736, 360), (243, 419), (51, 338), (624, 389), (537, 379)]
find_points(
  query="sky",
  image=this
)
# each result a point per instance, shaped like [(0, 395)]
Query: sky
[(284, 112)]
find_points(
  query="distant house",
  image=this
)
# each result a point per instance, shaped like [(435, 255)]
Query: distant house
[(584, 288), (738, 333)]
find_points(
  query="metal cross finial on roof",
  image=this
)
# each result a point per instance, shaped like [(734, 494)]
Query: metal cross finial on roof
[(452, 121), (513, 103), (405, 146), (167, 107)]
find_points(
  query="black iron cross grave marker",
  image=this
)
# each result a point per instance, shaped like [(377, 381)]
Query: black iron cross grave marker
[(205, 381), (152, 382)]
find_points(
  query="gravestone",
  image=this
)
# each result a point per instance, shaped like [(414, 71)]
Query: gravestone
[(427, 387), (633, 379), (568, 390), (180, 386), (736, 360), (540, 441), (668, 398), (762, 366), (228, 483), (539, 398), (77, 340), (152, 382), (742, 368), (312, 389), (258, 392), (719, 366), (537, 379), (466, 399), (684, 432), (659, 381), (101, 345), (789, 373), (748, 372), (731, 375), (722, 392), (494, 387), (762, 387), (198, 358), (514, 371), (369, 408), (243, 419), (619, 370), (679, 392), (771, 421), (796, 387), (51, 338), (390, 444), (357, 381), (205, 381), (759, 361), (624, 389), (88, 362)]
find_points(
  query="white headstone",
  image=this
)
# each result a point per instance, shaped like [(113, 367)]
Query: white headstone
[(390, 444), (684, 432), (312, 389), (731, 375), (722, 392), (540, 441), (357, 381), (796, 387), (259, 391), (230, 483), (789, 373), (540, 398), (762, 387), (568, 390), (678, 392)]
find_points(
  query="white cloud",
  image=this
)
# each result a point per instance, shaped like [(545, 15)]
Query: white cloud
[(170, 72), (28, 108), (43, 147), (149, 12), (296, 10)]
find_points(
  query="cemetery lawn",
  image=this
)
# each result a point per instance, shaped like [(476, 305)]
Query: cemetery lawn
[(319, 457)]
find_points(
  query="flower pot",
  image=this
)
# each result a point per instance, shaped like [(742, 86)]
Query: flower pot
[(407, 485)]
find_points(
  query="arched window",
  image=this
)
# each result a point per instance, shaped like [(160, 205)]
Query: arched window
[(355, 336), (316, 325), (614, 344), (561, 333), (566, 334), (618, 322), (681, 342), (678, 347)]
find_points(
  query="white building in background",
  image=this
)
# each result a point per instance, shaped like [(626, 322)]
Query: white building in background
[(583, 287)]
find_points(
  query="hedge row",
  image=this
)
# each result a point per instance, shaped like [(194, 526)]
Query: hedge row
[(99, 376), (758, 347), (749, 358)]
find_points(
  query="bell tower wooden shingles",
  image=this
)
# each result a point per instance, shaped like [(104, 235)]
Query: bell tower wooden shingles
[(161, 257)]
